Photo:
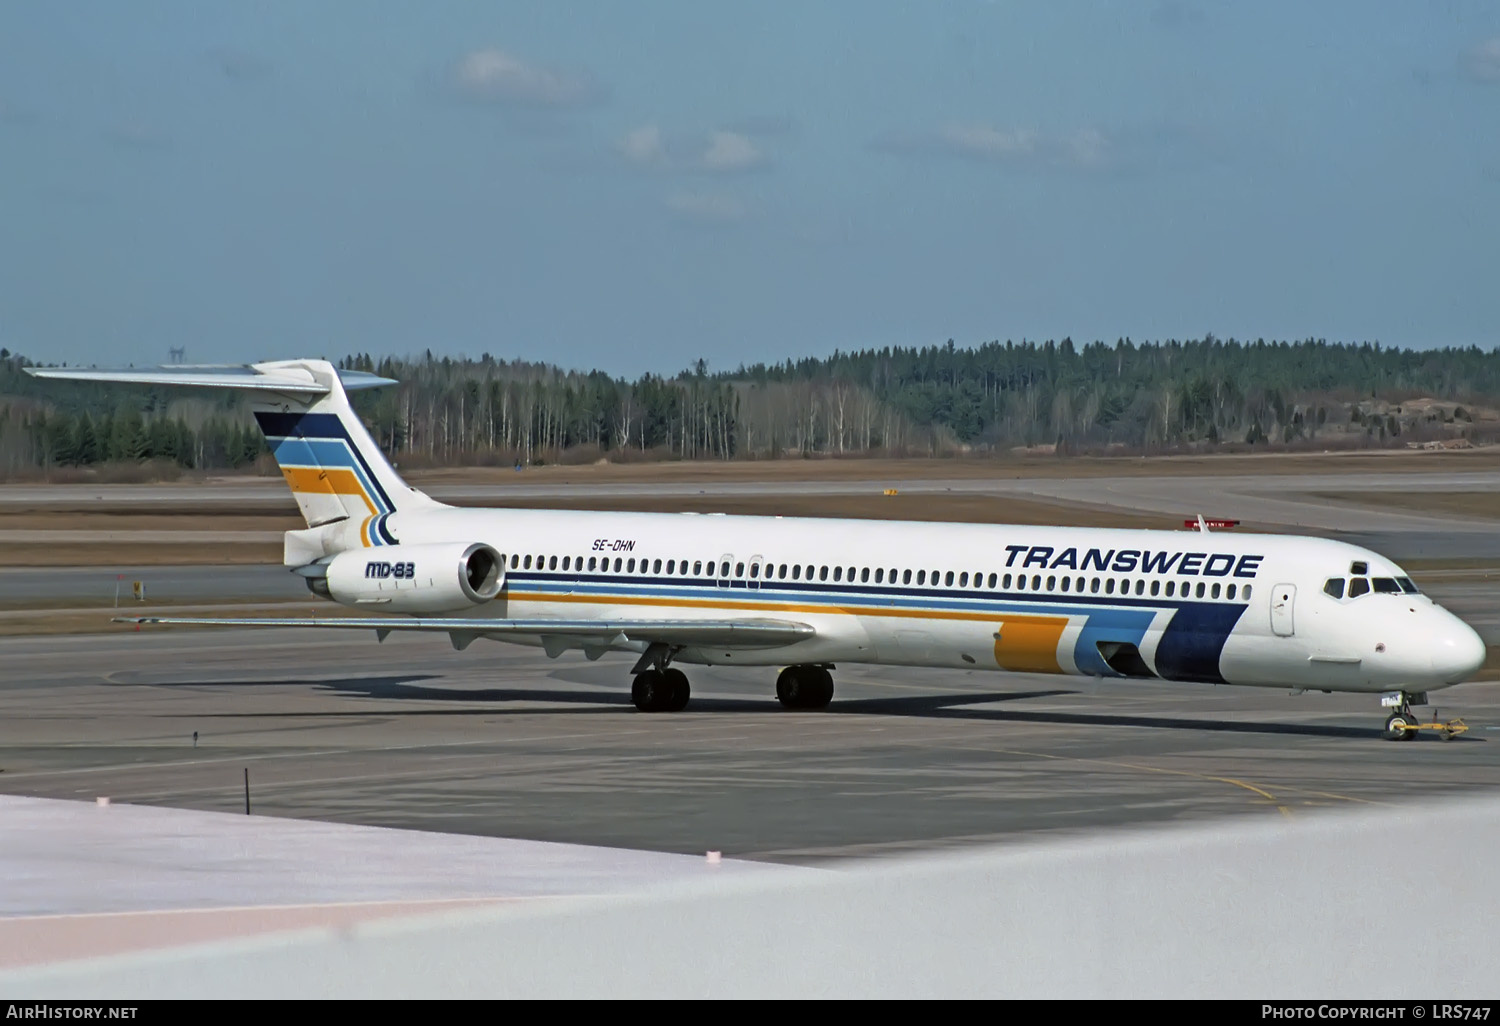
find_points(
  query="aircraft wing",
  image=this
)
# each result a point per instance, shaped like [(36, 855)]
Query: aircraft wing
[(597, 634)]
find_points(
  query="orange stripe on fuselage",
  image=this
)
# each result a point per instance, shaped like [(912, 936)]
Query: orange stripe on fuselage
[(329, 481), (1028, 644), (782, 607)]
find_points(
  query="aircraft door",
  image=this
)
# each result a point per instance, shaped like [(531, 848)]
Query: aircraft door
[(1283, 599)]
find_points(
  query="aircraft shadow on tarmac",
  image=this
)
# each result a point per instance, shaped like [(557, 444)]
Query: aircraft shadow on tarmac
[(959, 705)]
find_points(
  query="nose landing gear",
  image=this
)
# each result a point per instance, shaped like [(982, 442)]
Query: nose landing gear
[(1403, 724)]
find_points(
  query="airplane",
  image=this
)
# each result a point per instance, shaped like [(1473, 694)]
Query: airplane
[(807, 594)]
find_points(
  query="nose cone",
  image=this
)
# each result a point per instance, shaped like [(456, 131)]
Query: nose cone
[(1457, 652)]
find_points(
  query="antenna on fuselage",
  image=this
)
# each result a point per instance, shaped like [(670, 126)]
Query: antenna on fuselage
[(1202, 524)]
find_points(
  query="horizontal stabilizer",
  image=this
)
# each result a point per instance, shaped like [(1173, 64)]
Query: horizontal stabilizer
[(258, 377), (687, 633)]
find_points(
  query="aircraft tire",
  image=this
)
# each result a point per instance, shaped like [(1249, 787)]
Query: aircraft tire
[(678, 690), (1395, 727), (650, 691)]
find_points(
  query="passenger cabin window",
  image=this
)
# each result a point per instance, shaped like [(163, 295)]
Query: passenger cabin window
[(1358, 586), (515, 561), (1246, 595), (796, 571), (822, 573), (1334, 586), (864, 575), (1231, 590), (906, 577), (992, 580)]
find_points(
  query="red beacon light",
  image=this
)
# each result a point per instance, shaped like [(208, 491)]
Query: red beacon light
[(1206, 524)]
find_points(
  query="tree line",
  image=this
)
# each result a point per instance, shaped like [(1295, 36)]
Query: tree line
[(930, 400)]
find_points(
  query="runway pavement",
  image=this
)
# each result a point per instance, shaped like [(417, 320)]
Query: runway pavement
[(502, 741)]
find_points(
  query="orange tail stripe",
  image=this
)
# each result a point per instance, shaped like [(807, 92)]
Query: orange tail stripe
[(330, 481)]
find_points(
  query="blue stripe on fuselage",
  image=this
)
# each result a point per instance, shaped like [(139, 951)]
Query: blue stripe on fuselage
[(1189, 649)]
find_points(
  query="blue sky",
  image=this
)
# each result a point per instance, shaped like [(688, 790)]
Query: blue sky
[(632, 186)]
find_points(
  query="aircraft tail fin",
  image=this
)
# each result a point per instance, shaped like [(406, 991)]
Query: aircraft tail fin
[(334, 468)]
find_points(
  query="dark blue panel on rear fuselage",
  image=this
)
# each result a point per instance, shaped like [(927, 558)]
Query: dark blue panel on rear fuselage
[(1190, 647)]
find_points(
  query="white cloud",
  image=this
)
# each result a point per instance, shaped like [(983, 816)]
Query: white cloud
[(1085, 148), (644, 146), (731, 151), (497, 77), (1484, 60), (718, 152), (986, 141), (710, 208)]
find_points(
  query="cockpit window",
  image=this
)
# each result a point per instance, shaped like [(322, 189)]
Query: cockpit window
[(1358, 586), (1334, 586), (1407, 586), (1358, 568), (1385, 585)]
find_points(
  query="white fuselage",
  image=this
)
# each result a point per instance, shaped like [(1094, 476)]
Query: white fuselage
[(1211, 607)]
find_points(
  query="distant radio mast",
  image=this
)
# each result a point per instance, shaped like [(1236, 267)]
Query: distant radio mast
[(177, 354)]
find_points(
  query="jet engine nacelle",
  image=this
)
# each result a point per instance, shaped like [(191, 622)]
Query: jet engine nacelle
[(412, 578)]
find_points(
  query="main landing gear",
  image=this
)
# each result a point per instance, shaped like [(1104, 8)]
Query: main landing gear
[(660, 691), (1401, 725), (805, 687), (660, 688)]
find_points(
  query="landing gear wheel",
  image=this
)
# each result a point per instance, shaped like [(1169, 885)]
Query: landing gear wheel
[(821, 692), (788, 687), (1397, 727), (650, 691), (804, 687), (677, 688)]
